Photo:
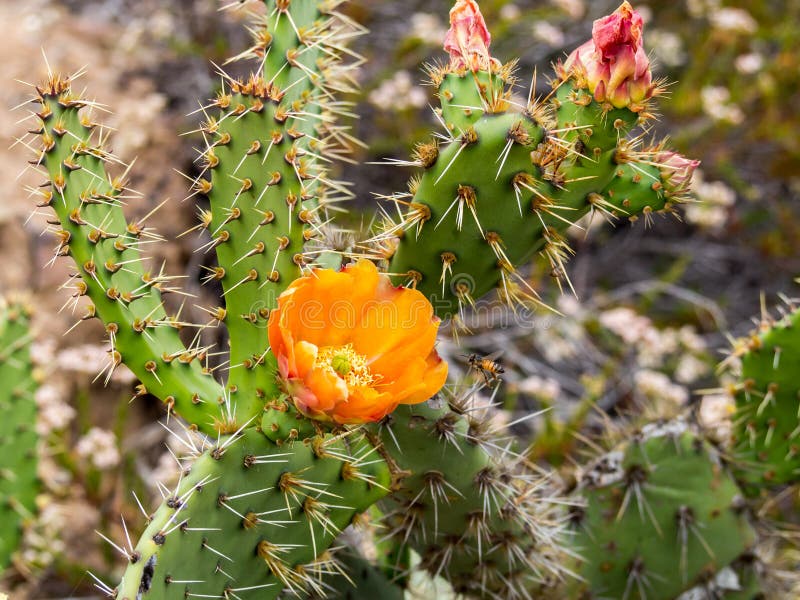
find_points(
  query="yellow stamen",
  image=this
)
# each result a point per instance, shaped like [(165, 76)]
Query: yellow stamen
[(347, 364)]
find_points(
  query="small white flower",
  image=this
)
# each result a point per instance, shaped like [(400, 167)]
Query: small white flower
[(715, 415), (658, 387), (627, 324), (700, 8), (549, 34), (427, 27), (714, 200), (667, 47), (716, 102), (706, 216), (690, 340), (53, 414), (510, 12), (736, 20), (750, 63), (100, 447), (573, 8), (690, 368), (91, 359), (543, 388), (569, 305), (398, 93)]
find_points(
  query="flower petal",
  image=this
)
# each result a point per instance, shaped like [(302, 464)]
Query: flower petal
[(365, 404), (328, 388)]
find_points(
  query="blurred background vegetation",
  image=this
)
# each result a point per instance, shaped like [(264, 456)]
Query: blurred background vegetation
[(653, 303)]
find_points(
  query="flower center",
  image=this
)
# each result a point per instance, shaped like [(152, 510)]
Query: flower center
[(347, 364)]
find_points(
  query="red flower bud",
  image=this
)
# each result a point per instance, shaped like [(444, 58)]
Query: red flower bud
[(614, 62), (467, 41), (677, 170)]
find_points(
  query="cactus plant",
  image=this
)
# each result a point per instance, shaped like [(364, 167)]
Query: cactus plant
[(323, 411), (479, 515), (19, 484), (259, 517), (506, 184), (766, 422), (661, 516)]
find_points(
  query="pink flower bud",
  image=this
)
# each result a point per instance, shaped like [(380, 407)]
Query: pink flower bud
[(614, 62), (468, 38), (677, 170)]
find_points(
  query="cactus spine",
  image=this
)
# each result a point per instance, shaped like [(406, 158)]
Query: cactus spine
[(18, 439)]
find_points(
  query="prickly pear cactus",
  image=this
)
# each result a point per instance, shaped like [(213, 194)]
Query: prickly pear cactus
[(257, 518), (660, 516), (766, 442), (288, 462), (506, 184), (18, 440), (477, 515), (358, 579)]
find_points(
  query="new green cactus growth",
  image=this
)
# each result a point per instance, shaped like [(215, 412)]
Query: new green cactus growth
[(18, 439), (661, 516)]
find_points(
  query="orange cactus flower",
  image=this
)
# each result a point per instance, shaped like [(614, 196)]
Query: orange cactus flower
[(351, 346)]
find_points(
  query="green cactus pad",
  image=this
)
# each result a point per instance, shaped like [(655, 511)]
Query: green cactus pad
[(767, 424), (474, 515), (18, 439), (252, 519), (358, 579), (262, 206), (508, 186), (106, 251), (268, 180), (464, 215), (661, 516)]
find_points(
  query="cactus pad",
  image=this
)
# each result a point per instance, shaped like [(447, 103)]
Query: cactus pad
[(475, 515), (767, 422), (255, 518), (18, 439), (661, 517)]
